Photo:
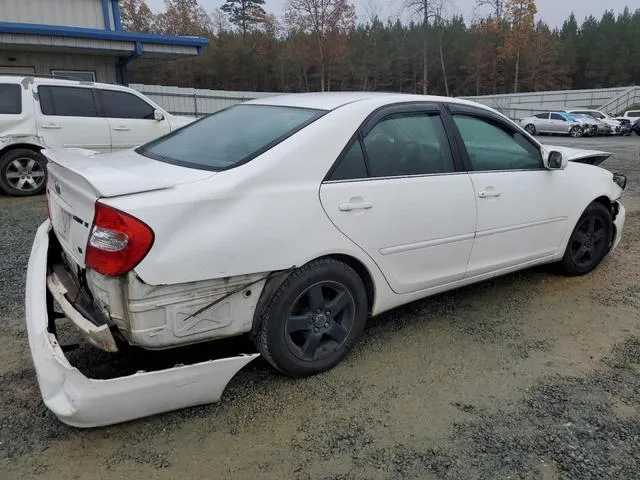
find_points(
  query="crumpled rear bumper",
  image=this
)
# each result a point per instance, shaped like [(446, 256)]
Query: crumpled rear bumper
[(84, 402)]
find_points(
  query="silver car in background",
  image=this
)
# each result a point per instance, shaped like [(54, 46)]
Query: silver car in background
[(590, 126), (558, 123)]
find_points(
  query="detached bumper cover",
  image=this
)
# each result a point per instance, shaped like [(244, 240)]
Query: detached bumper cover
[(84, 402)]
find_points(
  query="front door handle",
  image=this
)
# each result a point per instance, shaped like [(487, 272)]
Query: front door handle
[(351, 206), (50, 126), (489, 194), (121, 128)]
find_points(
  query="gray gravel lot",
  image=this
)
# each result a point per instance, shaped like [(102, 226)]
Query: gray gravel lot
[(531, 376)]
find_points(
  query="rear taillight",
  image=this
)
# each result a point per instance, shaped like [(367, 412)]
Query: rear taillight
[(118, 241)]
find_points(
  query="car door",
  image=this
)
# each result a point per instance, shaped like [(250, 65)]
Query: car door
[(131, 119), (542, 122), (68, 118), (522, 207), (397, 193), (558, 123)]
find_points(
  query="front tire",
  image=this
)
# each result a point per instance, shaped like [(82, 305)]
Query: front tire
[(576, 132), (314, 318), (589, 242), (22, 172)]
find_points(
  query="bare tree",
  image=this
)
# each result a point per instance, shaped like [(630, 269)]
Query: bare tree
[(425, 10), (497, 7), (319, 18)]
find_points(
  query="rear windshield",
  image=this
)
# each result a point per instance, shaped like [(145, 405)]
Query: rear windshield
[(10, 99), (230, 137)]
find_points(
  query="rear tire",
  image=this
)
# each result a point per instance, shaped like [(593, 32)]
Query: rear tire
[(531, 129), (313, 319), (590, 241), (22, 172)]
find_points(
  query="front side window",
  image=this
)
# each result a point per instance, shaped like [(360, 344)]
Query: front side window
[(492, 146), (10, 99), (124, 105), (230, 137), (634, 114), (408, 144), (67, 101)]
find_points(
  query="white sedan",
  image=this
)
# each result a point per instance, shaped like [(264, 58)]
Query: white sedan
[(293, 219)]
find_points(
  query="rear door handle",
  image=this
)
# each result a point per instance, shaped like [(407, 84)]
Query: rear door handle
[(350, 206), (50, 126), (489, 194), (121, 128)]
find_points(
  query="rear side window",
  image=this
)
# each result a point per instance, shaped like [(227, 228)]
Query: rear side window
[(230, 137), (124, 105), (557, 116), (542, 116), (67, 101), (631, 114), (352, 165), (10, 99)]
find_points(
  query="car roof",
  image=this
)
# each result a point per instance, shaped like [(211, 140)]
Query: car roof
[(38, 80), (333, 100)]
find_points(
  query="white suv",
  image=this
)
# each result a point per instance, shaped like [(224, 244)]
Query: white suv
[(38, 112)]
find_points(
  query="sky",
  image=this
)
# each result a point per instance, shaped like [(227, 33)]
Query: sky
[(553, 12)]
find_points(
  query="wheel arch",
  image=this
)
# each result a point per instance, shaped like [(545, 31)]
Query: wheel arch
[(274, 282), (15, 146)]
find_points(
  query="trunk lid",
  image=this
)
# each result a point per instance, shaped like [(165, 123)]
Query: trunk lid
[(591, 157), (78, 178)]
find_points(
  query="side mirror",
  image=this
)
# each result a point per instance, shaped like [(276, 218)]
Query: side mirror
[(158, 115), (554, 160)]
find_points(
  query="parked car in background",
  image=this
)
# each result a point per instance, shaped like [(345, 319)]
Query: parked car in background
[(37, 113), (632, 114), (298, 219), (558, 123), (635, 128), (616, 126), (602, 128), (589, 124)]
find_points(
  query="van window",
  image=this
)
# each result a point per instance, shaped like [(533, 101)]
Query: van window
[(117, 104), (67, 101), (10, 99)]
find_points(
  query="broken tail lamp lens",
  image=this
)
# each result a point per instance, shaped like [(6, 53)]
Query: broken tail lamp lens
[(118, 241), (620, 180)]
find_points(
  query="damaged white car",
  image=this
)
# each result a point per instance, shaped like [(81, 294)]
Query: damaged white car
[(292, 219)]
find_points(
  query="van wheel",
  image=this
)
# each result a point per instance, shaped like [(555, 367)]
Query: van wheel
[(589, 242), (22, 172), (313, 320)]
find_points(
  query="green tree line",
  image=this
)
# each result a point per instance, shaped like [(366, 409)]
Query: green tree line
[(319, 45)]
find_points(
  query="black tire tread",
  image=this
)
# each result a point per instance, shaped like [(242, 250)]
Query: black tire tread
[(261, 339), (566, 264)]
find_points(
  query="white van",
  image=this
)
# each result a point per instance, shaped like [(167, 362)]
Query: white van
[(42, 112)]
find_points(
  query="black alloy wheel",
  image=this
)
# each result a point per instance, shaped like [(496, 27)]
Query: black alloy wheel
[(310, 322), (590, 240)]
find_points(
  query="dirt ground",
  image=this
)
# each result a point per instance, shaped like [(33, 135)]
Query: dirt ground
[(530, 376)]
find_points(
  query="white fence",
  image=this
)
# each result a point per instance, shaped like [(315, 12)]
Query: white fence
[(194, 101), (199, 102), (519, 105)]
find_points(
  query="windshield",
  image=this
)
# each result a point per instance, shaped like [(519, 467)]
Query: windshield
[(230, 137)]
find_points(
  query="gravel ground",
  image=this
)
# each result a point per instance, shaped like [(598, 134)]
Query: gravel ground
[(531, 376)]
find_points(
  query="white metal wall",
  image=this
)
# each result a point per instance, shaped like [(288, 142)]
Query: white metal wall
[(520, 105), (42, 63), (75, 13), (192, 101)]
